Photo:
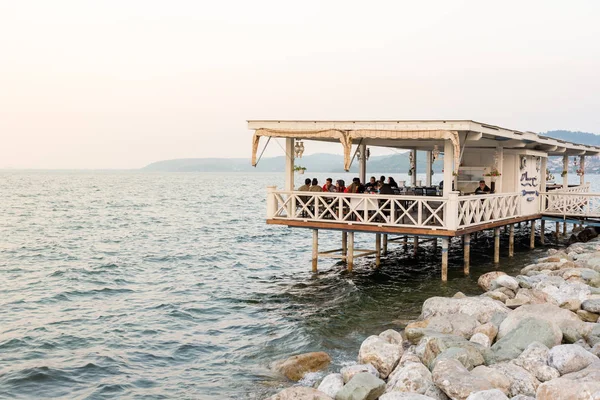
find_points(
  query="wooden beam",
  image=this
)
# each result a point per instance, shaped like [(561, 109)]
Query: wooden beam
[(496, 245), (445, 259), (315, 250), (377, 249), (511, 241), (467, 252)]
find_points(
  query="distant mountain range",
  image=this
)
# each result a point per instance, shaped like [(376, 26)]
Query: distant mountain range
[(334, 162)]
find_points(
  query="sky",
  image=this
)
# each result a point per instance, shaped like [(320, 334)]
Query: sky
[(120, 84)]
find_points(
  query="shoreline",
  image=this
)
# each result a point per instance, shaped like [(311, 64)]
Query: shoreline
[(532, 336)]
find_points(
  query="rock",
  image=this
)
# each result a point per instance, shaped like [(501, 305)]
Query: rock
[(331, 384), (593, 336), (583, 344), (592, 306), (496, 378), (587, 316), (567, 389), (534, 360), (459, 295), (507, 281), (434, 344), (381, 354), (509, 293), (408, 357), (514, 303), (349, 372), (488, 329), (596, 350), (300, 393), (527, 331), (570, 325), (532, 296), (571, 305), (482, 339), (521, 381), (296, 367), (414, 331), (482, 308), (456, 381), (362, 386), (404, 396), (569, 358), (492, 394), (523, 281), (413, 378), (391, 336), (485, 280), (456, 324), (455, 353), (522, 397), (496, 295)]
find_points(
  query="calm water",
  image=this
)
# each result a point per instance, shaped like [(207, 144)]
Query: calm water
[(140, 285)]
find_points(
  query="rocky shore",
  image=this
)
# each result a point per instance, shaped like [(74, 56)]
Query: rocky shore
[(533, 336)]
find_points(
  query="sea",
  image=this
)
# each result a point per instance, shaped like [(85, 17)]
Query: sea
[(138, 285)]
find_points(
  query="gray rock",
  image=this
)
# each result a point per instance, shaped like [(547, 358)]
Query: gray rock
[(596, 350), (482, 339), (434, 344), (534, 360), (507, 281), (569, 358), (331, 384), (380, 353), (456, 381), (455, 353), (350, 371), (523, 281), (587, 316), (593, 336), (300, 393), (404, 396), (526, 332), (521, 381), (496, 295), (362, 386), (482, 308), (522, 397), (492, 394), (413, 378), (496, 378), (515, 303), (567, 389), (592, 305)]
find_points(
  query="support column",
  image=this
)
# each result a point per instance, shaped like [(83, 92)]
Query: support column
[(582, 168), (511, 240), (415, 245), (405, 242), (448, 167), (557, 233), (500, 166), (289, 164), (378, 249), (565, 228), (413, 178), (566, 168), (496, 245), (444, 259), (542, 231), (385, 243), (350, 257), (532, 235), (315, 250), (362, 164), (467, 252), (344, 244), (429, 166)]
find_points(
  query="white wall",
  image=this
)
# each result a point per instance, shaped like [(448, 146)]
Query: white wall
[(529, 202)]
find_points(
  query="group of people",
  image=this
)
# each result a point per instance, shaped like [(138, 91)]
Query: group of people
[(373, 186)]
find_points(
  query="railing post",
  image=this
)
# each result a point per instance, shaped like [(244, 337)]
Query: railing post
[(271, 202), (452, 211)]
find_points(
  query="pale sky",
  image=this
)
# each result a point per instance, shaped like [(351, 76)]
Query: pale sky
[(120, 84)]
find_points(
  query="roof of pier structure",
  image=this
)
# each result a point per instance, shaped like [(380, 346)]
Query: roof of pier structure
[(417, 134)]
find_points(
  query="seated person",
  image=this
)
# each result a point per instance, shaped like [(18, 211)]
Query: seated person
[(382, 179), (340, 186), (392, 183), (315, 186), (483, 188), (328, 186), (354, 186), (306, 186), (371, 186), (386, 188)]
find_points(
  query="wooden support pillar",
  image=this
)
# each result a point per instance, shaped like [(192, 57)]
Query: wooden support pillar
[(385, 242), (315, 250), (496, 245), (405, 241), (511, 240), (428, 167), (467, 252), (444, 259), (378, 249), (344, 244), (362, 164), (543, 232), (566, 168), (289, 164), (565, 228), (415, 245), (532, 235), (582, 168), (413, 178), (350, 257), (557, 233)]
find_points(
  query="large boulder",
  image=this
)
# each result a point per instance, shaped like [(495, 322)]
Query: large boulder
[(404, 396), (380, 353), (485, 280), (570, 325), (296, 367), (567, 389), (435, 344), (534, 359), (506, 281), (492, 394), (362, 386), (456, 381), (456, 324), (482, 308), (300, 393), (413, 378), (496, 378), (521, 381), (348, 372), (488, 329), (591, 305), (515, 341), (569, 358), (331, 384)]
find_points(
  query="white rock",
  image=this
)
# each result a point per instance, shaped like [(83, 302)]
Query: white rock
[(507, 281), (381, 354), (534, 359), (569, 358), (492, 394), (300, 393), (456, 381), (391, 336), (413, 378), (481, 338), (521, 381), (350, 371), (404, 396), (331, 384), (482, 308)]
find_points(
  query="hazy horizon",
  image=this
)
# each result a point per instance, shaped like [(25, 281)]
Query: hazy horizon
[(119, 85)]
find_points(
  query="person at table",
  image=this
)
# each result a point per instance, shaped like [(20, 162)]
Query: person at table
[(392, 183), (354, 186), (386, 188), (328, 186), (340, 186), (315, 187), (306, 186), (483, 188), (371, 186), (382, 179)]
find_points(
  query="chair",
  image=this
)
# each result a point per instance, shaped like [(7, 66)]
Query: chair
[(419, 191), (430, 191)]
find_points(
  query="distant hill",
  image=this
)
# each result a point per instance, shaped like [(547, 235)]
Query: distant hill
[(321, 162), (575, 137)]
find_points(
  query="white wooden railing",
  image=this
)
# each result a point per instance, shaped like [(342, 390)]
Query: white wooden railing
[(479, 209), (366, 209), (585, 188), (571, 204)]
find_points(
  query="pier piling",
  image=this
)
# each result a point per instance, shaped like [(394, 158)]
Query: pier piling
[(350, 256), (444, 259), (344, 245), (378, 250), (415, 245), (511, 240), (542, 231), (532, 235), (385, 243), (315, 250), (467, 252), (496, 245)]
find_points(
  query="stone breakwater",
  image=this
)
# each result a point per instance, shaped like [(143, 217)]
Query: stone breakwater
[(533, 336)]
